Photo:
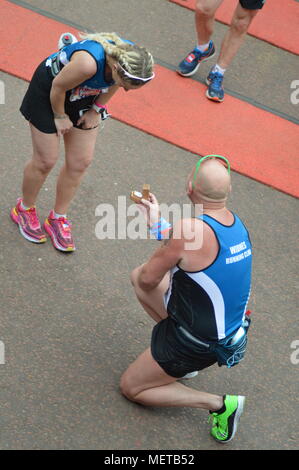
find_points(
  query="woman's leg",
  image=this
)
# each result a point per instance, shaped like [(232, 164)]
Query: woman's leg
[(45, 155), (79, 151)]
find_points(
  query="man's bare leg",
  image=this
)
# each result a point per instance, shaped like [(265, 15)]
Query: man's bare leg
[(204, 19), (235, 35), (231, 43), (146, 383)]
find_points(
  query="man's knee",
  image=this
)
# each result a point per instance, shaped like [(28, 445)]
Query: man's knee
[(205, 8), (241, 22), (126, 387), (134, 275)]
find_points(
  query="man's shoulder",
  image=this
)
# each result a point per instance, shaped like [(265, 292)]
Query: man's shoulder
[(193, 223), (192, 229)]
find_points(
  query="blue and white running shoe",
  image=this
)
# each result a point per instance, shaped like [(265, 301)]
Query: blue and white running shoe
[(190, 64), (215, 89)]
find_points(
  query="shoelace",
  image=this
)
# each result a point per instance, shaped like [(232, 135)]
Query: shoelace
[(194, 53), (215, 423), (217, 80), (213, 418), (33, 219), (65, 227)]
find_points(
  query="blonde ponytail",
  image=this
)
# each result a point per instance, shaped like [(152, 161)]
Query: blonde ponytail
[(135, 60)]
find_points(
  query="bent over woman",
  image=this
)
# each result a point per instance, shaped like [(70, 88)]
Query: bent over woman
[(67, 98)]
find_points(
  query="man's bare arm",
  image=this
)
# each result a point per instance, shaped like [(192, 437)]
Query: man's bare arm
[(167, 256)]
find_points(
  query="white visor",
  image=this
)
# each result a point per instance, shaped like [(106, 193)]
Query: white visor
[(127, 74)]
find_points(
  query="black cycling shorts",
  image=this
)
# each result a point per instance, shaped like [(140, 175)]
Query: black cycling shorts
[(36, 106), (252, 4), (175, 354)]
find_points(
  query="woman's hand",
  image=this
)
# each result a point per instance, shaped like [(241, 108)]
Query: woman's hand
[(89, 120), (150, 209), (63, 125)]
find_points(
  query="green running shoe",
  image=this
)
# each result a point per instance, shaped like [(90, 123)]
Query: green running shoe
[(225, 424)]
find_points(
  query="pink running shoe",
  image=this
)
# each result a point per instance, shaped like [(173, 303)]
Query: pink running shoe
[(28, 223), (60, 232)]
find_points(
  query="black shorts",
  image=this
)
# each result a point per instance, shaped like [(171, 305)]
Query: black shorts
[(175, 354), (36, 106), (252, 4)]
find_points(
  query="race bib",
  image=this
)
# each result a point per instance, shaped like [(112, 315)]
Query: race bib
[(85, 91)]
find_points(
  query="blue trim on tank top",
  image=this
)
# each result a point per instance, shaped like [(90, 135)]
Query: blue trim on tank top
[(228, 226)]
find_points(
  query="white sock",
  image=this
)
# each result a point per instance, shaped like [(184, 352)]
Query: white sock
[(218, 69), (24, 208), (57, 216), (202, 47)]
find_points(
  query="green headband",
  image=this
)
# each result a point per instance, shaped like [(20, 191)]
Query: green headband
[(204, 158)]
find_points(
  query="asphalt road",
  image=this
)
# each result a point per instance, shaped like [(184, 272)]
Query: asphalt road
[(70, 323)]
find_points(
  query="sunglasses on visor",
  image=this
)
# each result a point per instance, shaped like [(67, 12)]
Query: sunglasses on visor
[(225, 160), (133, 79)]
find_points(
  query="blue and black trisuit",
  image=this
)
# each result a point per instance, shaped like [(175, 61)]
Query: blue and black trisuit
[(209, 304), (36, 105)]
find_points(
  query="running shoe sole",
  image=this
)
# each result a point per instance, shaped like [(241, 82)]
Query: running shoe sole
[(214, 98), (189, 74), (55, 242), (15, 219)]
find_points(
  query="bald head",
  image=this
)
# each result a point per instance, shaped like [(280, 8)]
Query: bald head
[(212, 181)]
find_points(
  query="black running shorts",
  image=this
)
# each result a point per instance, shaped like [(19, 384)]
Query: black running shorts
[(36, 106), (175, 354), (252, 4)]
